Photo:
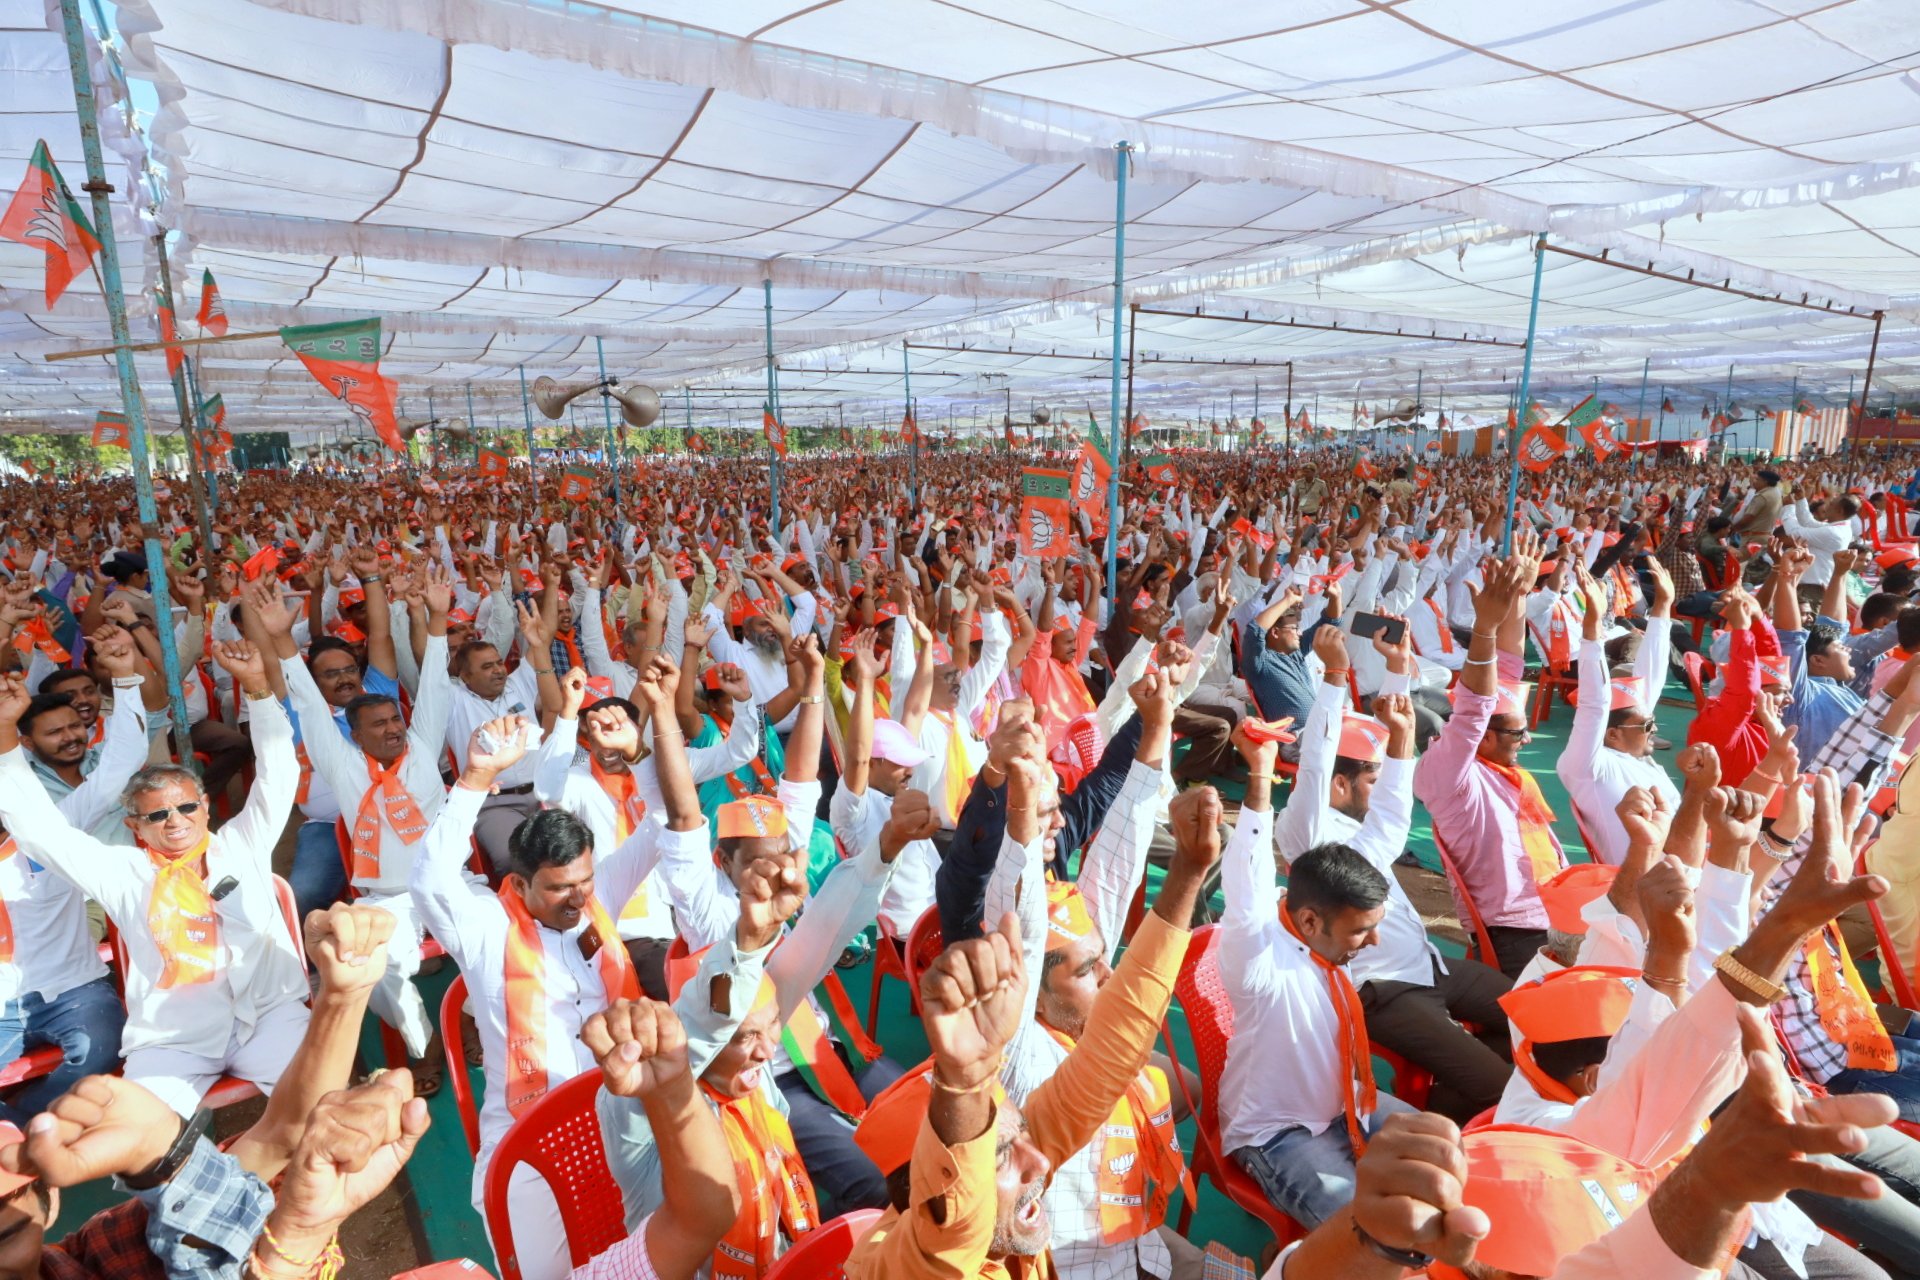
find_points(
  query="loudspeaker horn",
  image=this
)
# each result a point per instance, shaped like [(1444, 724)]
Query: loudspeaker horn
[(639, 406), (552, 397)]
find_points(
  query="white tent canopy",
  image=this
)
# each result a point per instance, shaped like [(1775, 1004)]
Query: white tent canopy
[(504, 181)]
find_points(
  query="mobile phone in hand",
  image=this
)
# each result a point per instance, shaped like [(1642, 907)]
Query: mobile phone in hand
[(1368, 625)]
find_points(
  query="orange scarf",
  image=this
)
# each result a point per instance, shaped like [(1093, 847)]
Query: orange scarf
[(1356, 1051), (958, 780), (384, 792), (1846, 1010), (1535, 819), (1138, 1144), (181, 916), (764, 784), (1440, 624), (527, 993), (1560, 625), (628, 807), (7, 849), (36, 634), (775, 1191)]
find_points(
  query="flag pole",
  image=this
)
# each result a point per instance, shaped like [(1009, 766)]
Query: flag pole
[(1866, 389), (533, 451), (606, 417), (1289, 409), (98, 190), (202, 341), (1123, 154), (773, 407), (1526, 377)]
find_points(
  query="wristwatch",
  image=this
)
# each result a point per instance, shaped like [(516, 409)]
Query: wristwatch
[(163, 1169)]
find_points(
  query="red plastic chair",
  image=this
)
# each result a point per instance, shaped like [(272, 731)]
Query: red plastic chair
[(1203, 998), (924, 945), (1412, 1084), (455, 1051), (1698, 673), (822, 1253), (31, 1065), (1481, 1121), (1565, 681), (889, 961), (1479, 941), (559, 1136)]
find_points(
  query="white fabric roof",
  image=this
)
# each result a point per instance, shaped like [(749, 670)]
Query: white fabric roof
[(503, 181)]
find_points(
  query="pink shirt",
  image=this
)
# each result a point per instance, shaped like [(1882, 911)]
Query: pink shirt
[(1476, 813)]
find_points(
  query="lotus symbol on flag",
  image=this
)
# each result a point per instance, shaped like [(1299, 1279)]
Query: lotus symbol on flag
[(49, 222), (1039, 527), (1539, 450), (1083, 483)]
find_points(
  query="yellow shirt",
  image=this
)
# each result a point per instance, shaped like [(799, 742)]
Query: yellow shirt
[(1063, 1115)]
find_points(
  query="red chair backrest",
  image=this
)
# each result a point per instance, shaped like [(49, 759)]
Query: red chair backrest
[(820, 1253), (1478, 936), (1203, 997), (1696, 664), (924, 945), (559, 1137), (452, 1045)]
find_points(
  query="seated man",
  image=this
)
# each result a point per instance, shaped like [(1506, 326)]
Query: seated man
[(67, 749), (1487, 809), (54, 988), (967, 1170), (1107, 1204), (1611, 748), (213, 980), (544, 954), (1355, 788)]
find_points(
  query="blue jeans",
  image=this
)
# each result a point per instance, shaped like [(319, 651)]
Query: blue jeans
[(84, 1023), (1889, 1226), (319, 877), (1901, 1084), (1309, 1177)]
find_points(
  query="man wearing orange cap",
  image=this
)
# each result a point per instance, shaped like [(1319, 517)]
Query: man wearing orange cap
[(616, 788), (1611, 746), (1487, 808), (1107, 1201), (821, 1079), (1355, 788), (966, 1168), (545, 954)]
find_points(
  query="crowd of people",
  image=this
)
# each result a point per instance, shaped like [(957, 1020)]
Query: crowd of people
[(648, 768)]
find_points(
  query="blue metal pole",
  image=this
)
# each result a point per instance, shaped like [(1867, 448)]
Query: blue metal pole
[(98, 189), (1526, 378), (773, 407), (533, 455), (1123, 154), (606, 415)]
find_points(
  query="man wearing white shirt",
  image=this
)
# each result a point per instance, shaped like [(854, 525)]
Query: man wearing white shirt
[(1824, 530), (1355, 788), (614, 787), (1611, 748), (387, 778), (542, 956), (882, 755), (485, 691), (214, 980), (1296, 1015), (954, 753), (54, 990), (761, 649)]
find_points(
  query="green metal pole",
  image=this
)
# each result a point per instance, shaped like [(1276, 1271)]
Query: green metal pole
[(1123, 155), (606, 415), (98, 190), (773, 407), (533, 453), (1526, 379)]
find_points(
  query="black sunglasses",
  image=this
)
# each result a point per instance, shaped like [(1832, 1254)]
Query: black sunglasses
[(158, 816), (1514, 733)]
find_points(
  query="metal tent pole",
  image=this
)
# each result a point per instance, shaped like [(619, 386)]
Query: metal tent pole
[(1289, 408), (773, 407), (533, 452), (1526, 379), (1866, 389), (1640, 414), (606, 417), (98, 190), (913, 434), (187, 402), (472, 424), (1133, 325), (1123, 152)]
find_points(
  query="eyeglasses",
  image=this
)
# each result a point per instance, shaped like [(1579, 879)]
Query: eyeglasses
[(158, 816), (1514, 733), (1638, 726)]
